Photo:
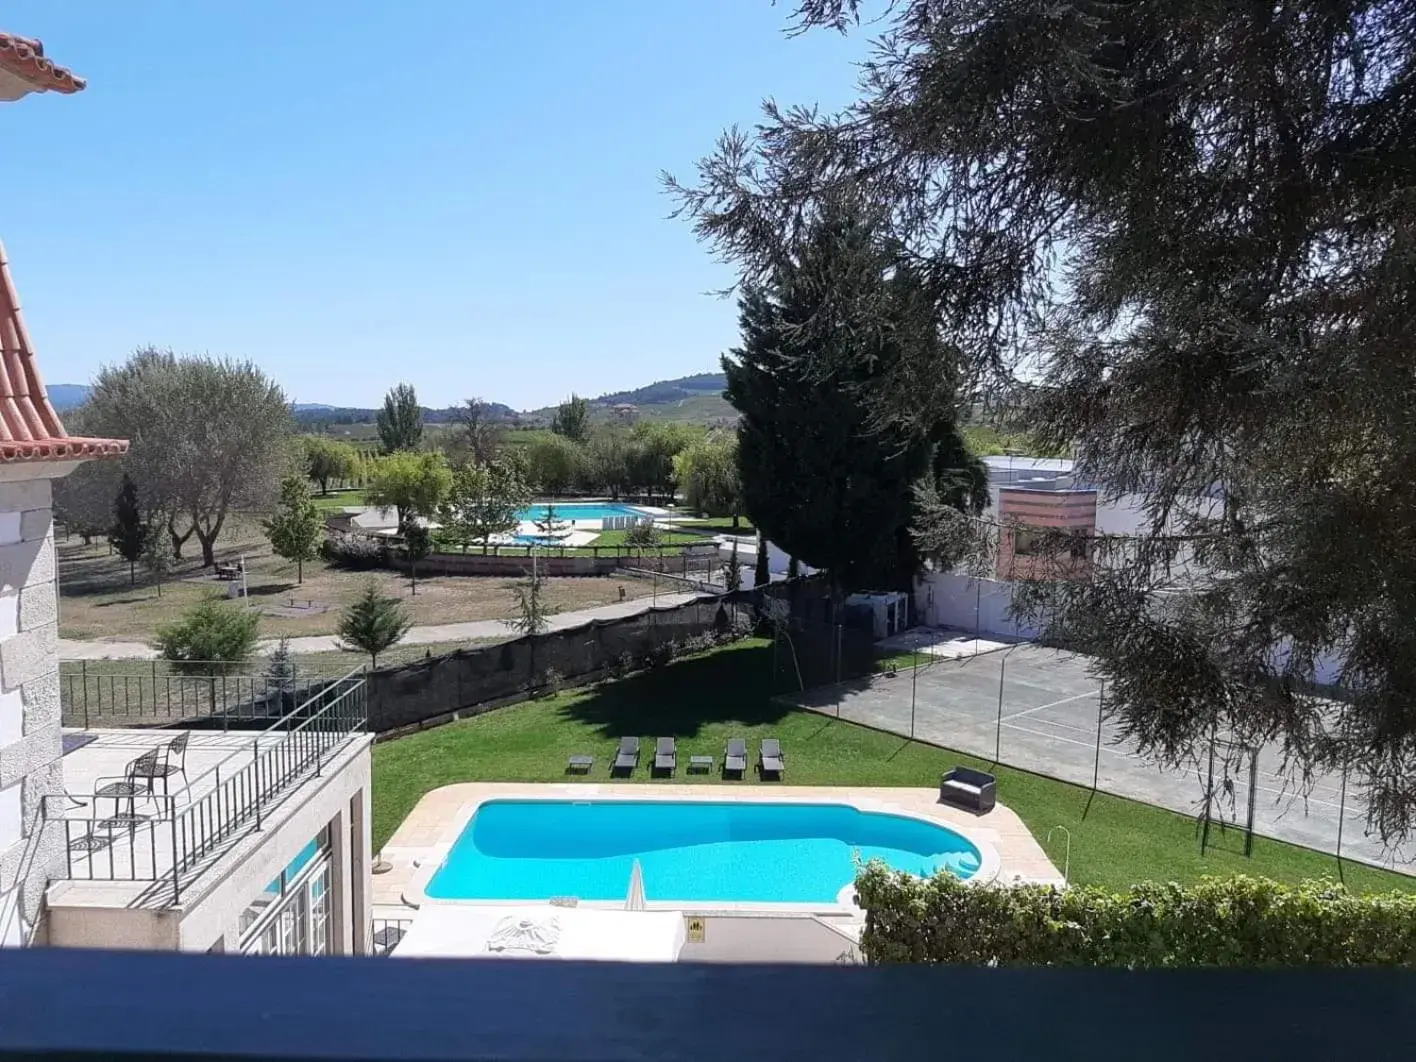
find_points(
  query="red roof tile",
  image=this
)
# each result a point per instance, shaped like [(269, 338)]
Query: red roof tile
[(24, 69), (29, 427)]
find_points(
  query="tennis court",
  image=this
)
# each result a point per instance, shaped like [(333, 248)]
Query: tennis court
[(1037, 709)]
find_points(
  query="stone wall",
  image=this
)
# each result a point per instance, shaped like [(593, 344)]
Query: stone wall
[(694, 558), (30, 747)]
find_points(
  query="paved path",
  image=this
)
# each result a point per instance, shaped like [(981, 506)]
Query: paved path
[(471, 631)]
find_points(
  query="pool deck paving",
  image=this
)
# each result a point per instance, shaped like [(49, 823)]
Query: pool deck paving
[(428, 833), (469, 631)]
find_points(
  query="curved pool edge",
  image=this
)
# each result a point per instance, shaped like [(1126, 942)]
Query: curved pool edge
[(415, 895)]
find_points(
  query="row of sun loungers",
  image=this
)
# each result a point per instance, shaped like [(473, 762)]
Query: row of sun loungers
[(771, 761)]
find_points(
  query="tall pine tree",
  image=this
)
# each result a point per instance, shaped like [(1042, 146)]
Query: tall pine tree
[(823, 475), (129, 532)]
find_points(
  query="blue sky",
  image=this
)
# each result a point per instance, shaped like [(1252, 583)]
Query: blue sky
[(463, 194)]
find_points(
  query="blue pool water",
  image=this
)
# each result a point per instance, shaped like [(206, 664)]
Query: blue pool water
[(690, 852), (578, 512)]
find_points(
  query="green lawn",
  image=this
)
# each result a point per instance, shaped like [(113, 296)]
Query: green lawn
[(717, 525), (668, 538), (703, 700), (338, 499)]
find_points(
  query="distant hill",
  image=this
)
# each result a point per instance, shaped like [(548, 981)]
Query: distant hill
[(694, 399), (67, 396), (315, 415), (666, 391)]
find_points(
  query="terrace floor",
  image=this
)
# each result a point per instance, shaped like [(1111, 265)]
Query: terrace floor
[(123, 863)]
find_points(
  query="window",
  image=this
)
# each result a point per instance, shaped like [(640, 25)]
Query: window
[(291, 915)]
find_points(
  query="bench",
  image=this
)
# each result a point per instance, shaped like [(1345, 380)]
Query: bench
[(967, 788)]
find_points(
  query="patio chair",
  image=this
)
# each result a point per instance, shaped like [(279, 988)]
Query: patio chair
[(735, 757), (627, 757), (165, 768), (136, 781), (666, 755), (771, 759)]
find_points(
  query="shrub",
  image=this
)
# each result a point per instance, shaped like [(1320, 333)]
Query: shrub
[(355, 552), (373, 623), (551, 682), (1235, 921), (212, 638)]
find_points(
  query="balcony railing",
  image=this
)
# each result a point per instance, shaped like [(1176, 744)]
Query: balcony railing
[(217, 808), (104, 693)]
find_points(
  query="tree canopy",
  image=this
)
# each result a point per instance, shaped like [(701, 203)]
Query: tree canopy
[(821, 475), (328, 459), (1185, 229), (207, 435), (400, 421), (297, 527), (484, 500), (130, 530), (415, 484), (572, 419)]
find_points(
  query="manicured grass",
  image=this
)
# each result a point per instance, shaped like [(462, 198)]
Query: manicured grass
[(705, 700), (719, 525), (338, 499), (669, 538)]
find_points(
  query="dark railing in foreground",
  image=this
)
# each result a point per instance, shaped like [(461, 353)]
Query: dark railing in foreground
[(226, 801), (88, 1004)]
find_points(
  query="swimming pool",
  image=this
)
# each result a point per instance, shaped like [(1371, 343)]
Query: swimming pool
[(579, 511), (690, 851)]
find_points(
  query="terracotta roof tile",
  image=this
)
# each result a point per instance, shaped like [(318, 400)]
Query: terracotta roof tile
[(29, 427), (24, 69)]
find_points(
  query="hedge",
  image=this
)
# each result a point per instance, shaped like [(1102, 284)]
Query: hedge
[(1233, 921)]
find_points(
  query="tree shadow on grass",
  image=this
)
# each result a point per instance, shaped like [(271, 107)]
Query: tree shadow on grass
[(680, 699)]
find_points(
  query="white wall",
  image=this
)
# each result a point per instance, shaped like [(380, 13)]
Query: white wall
[(768, 938), (946, 599)]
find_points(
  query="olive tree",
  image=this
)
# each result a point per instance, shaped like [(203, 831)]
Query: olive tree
[(207, 436)]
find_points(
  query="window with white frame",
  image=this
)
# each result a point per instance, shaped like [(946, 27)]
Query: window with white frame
[(291, 916)]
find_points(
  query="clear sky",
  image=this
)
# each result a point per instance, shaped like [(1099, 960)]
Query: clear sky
[(458, 193)]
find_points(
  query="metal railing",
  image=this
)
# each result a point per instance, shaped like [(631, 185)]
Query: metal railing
[(385, 933), (221, 805), (128, 693)]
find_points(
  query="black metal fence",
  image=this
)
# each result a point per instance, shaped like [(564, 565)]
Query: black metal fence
[(480, 678), (102, 693), (216, 808)]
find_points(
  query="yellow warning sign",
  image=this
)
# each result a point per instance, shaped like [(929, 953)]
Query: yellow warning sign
[(697, 929)]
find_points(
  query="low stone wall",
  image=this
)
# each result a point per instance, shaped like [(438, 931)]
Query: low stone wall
[(693, 558)]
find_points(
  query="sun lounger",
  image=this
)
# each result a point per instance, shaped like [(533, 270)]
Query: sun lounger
[(735, 757), (627, 757), (666, 755), (771, 759)]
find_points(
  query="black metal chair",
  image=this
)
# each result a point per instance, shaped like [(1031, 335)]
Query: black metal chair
[(165, 768), (135, 782)]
